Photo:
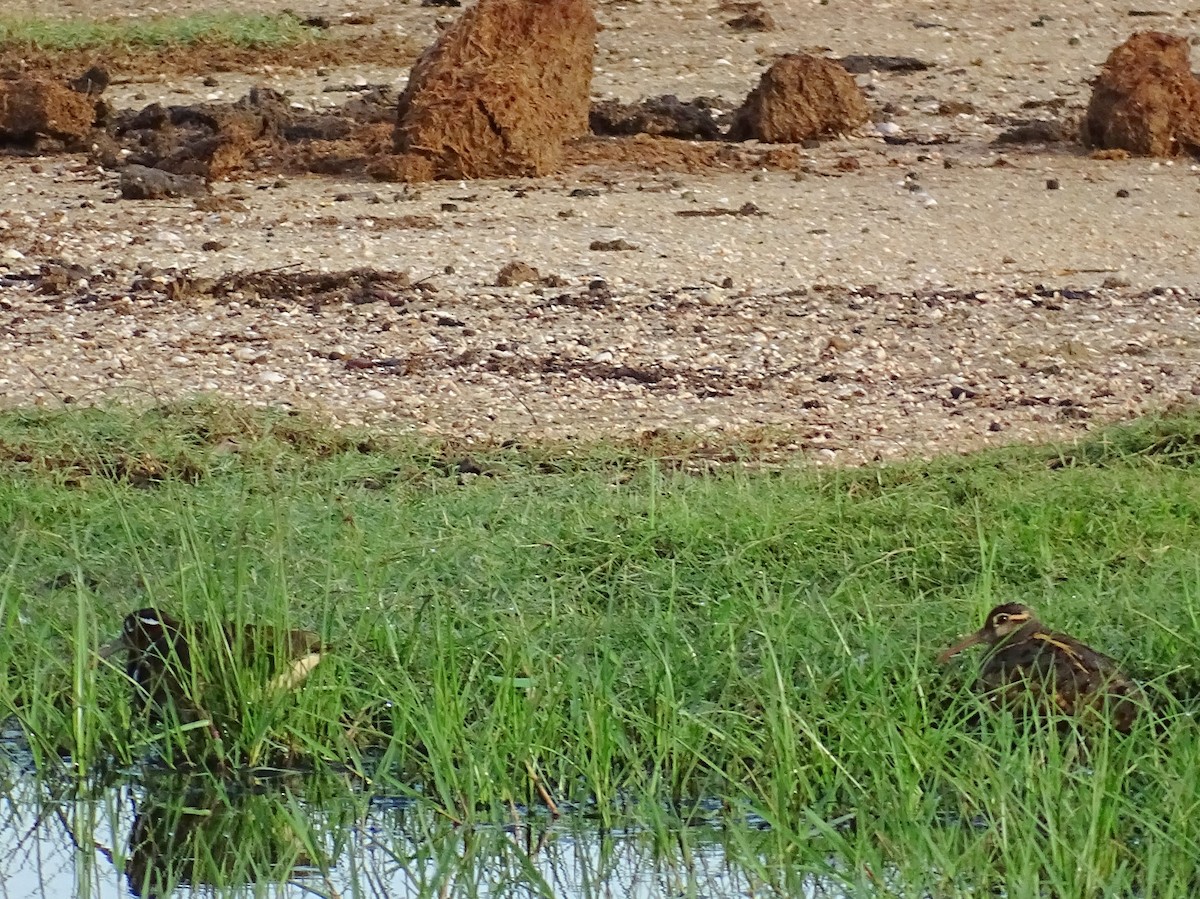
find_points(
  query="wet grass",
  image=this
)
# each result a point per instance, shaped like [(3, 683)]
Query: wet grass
[(236, 29), (637, 635)]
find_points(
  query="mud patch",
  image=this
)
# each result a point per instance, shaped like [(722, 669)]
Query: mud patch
[(663, 154), (125, 64), (261, 133), (703, 118), (258, 132), (209, 140)]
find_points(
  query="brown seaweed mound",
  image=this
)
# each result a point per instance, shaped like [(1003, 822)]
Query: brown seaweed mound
[(1146, 100), (801, 97), (499, 92)]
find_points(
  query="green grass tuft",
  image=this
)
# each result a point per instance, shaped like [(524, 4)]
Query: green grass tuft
[(604, 628), (153, 32)]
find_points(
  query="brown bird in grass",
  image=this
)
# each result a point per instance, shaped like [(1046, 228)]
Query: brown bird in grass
[(173, 664), (1029, 668)]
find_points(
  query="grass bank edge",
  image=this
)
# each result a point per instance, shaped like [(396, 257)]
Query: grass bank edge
[(188, 439)]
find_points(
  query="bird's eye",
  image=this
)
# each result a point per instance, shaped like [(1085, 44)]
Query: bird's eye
[(1002, 618)]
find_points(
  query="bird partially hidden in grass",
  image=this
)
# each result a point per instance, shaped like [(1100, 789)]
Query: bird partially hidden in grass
[(1031, 669), (177, 668)]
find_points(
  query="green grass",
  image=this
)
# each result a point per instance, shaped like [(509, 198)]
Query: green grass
[(596, 622), (238, 29)]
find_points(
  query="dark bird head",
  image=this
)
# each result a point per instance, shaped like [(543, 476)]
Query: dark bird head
[(141, 630), (1001, 623)]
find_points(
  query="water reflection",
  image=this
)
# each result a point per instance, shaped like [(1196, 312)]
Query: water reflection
[(195, 831), (160, 835), (152, 837)]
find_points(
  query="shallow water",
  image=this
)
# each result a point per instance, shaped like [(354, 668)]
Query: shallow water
[(285, 834)]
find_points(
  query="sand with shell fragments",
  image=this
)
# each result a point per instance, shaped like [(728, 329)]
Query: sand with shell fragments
[(912, 289)]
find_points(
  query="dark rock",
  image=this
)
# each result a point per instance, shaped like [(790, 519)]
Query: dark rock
[(612, 246), (138, 182), (865, 63), (668, 116), (1040, 131), (753, 18), (517, 273), (92, 82)]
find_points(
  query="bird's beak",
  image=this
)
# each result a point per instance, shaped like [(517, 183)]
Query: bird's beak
[(112, 647), (964, 643)]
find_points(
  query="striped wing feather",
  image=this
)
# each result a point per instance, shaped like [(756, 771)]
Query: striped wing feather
[(1053, 672)]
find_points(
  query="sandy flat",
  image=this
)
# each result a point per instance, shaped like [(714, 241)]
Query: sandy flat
[(939, 292)]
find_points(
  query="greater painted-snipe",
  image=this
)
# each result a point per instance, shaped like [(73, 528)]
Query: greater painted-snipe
[(1029, 668), (172, 664)]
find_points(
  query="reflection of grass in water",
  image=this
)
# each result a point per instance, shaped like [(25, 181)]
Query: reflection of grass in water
[(199, 832), (161, 832), (591, 623), (222, 28)]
